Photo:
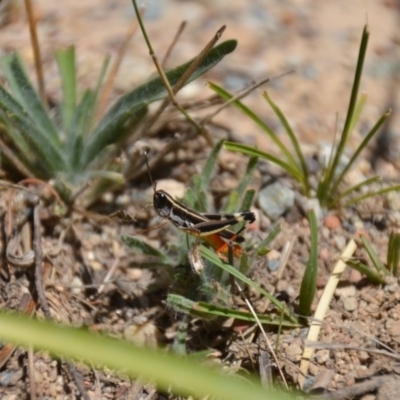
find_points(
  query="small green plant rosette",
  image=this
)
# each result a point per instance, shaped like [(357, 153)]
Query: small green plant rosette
[(76, 150)]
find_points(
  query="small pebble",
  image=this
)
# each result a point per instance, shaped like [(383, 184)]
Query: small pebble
[(273, 265), (340, 242), (332, 222), (355, 276), (322, 356), (393, 327), (324, 254), (276, 199), (393, 201), (273, 260), (293, 352), (350, 304), (76, 285), (363, 355), (345, 291)]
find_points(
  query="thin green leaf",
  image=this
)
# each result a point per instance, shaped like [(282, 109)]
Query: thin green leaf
[(295, 142), (328, 179), (258, 121), (357, 111), (211, 256), (354, 188), (248, 200), (189, 197), (144, 248), (79, 125), (206, 310), (210, 164), (44, 149), (260, 250), (309, 282), (248, 176), (109, 127), (232, 202), (241, 148), (393, 253), (184, 377), (371, 194), (97, 91), (378, 264), (362, 145), (66, 64), (26, 95), (363, 269)]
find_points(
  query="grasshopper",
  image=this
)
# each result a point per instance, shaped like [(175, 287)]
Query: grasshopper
[(212, 228)]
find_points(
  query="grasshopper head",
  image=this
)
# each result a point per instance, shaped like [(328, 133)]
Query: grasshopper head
[(162, 203)]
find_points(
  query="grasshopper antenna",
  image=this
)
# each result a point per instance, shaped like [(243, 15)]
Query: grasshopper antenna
[(148, 170)]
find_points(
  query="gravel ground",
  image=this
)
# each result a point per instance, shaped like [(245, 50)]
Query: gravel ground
[(360, 337)]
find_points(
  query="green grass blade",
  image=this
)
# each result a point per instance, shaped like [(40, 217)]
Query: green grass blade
[(295, 142), (25, 94), (363, 269), (361, 147), (78, 128), (242, 148), (258, 121), (211, 256), (260, 250), (173, 373), (210, 164), (358, 110), (309, 282), (141, 247), (89, 116), (127, 106), (232, 202), (248, 176), (47, 155), (378, 264), (209, 311), (99, 86), (323, 189), (66, 64), (235, 195), (354, 188), (371, 194), (245, 206), (248, 200), (393, 254)]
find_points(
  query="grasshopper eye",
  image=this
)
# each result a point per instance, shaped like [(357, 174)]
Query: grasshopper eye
[(162, 204)]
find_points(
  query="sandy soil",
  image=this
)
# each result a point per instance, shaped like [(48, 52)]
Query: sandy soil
[(319, 40)]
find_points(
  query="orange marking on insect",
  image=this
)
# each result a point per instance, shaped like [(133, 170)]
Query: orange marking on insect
[(221, 247)]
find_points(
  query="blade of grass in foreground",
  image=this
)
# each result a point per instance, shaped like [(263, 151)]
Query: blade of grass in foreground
[(172, 373)]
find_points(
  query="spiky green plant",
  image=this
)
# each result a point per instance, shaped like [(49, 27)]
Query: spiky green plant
[(71, 148)]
